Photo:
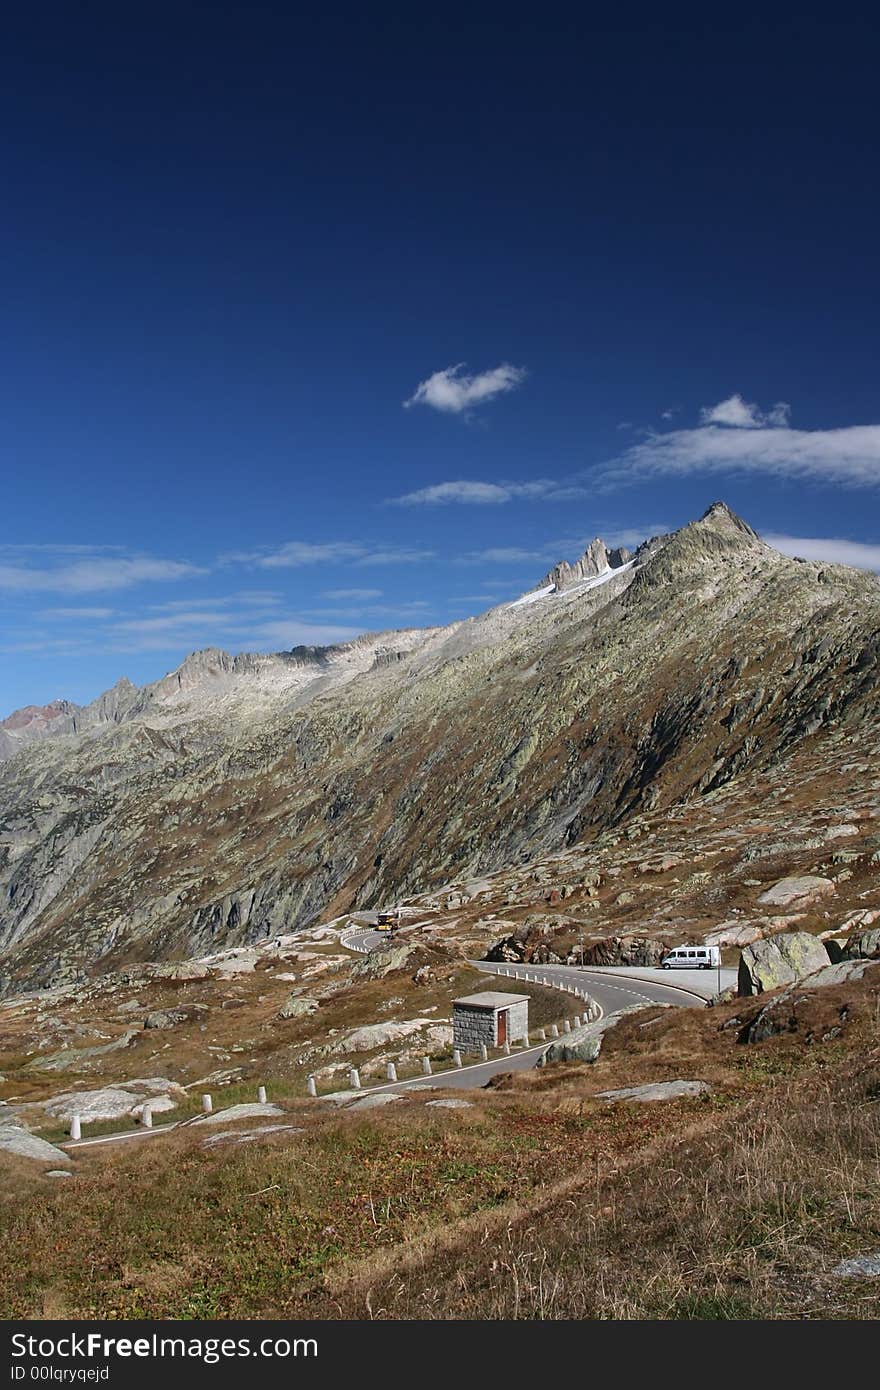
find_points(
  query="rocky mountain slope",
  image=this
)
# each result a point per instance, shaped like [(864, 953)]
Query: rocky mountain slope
[(244, 796)]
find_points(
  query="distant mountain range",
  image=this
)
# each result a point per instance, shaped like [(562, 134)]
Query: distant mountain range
[(245, 795)]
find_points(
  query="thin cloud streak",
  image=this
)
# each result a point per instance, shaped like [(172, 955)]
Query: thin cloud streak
[(834, 550), (94, 574), (491, 494), (300, 554)]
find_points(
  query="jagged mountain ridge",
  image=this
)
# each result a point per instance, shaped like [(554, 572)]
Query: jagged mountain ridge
[(404, 760)]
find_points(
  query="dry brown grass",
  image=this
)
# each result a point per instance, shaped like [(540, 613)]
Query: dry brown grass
[(541, 1201), (744, 1218)]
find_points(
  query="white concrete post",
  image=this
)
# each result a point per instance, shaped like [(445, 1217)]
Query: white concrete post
[(311, 1087), (542, 1036), (525, 1040), (75, 1127), (207, 1104), (391, 1071), (354, 1078), (147, 1115), (506, 1049), (484, 1053), (567, 1025), (261, 1095), (554, 1031), (426, 1066), (456, 1057)]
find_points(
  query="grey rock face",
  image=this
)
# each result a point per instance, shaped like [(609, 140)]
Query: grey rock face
[(595, 560), (659, 1090), (24, 1145), (239, 1112), (375, 1102), (167, 1018), (115, 1102), (297, 1008), (866, 945), (860, 1267), (780, 960), (798, 891)]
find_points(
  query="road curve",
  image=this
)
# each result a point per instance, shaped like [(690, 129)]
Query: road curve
[(613, 991)]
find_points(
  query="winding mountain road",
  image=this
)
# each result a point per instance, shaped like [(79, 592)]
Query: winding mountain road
[(613, 987)]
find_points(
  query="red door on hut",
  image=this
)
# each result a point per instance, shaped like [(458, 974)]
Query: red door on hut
[(502, 1027)]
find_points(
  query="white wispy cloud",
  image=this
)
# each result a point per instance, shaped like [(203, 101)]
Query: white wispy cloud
[(284, 633), (93, 574), (76, 614), (454, 392), (245, 598), (502, 555), (743, 415), (175, 623), (491, 494), (835, 550), (356, 594), (736, 437), (394, 557), (300, 554)]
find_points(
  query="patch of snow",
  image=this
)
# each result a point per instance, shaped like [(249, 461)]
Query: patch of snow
[(572, 590), (532, 597)]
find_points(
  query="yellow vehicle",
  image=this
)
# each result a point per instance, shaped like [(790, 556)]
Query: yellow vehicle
[(387, 921)]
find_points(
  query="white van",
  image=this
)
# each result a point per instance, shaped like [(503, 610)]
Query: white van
[(692, 958)]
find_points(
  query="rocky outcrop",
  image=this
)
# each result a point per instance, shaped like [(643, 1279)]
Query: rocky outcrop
[(297, 1008), (780, 960), (864, 945), (799, 891), (659, 1090), (115, 1102), (799, 1009), (170, 1018), (622, 950), (595, 560)]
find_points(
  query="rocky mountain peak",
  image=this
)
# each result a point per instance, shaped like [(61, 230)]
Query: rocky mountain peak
[(40, 715), (721, 518), (596, 559)]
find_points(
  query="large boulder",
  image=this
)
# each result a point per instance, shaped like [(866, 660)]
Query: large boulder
[(780, 960), (806, 889), (733, 933)]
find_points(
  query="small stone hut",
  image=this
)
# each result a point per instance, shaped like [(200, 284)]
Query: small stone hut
[(489, 1019)]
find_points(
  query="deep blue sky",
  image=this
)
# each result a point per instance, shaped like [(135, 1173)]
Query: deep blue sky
[(235, 242)]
